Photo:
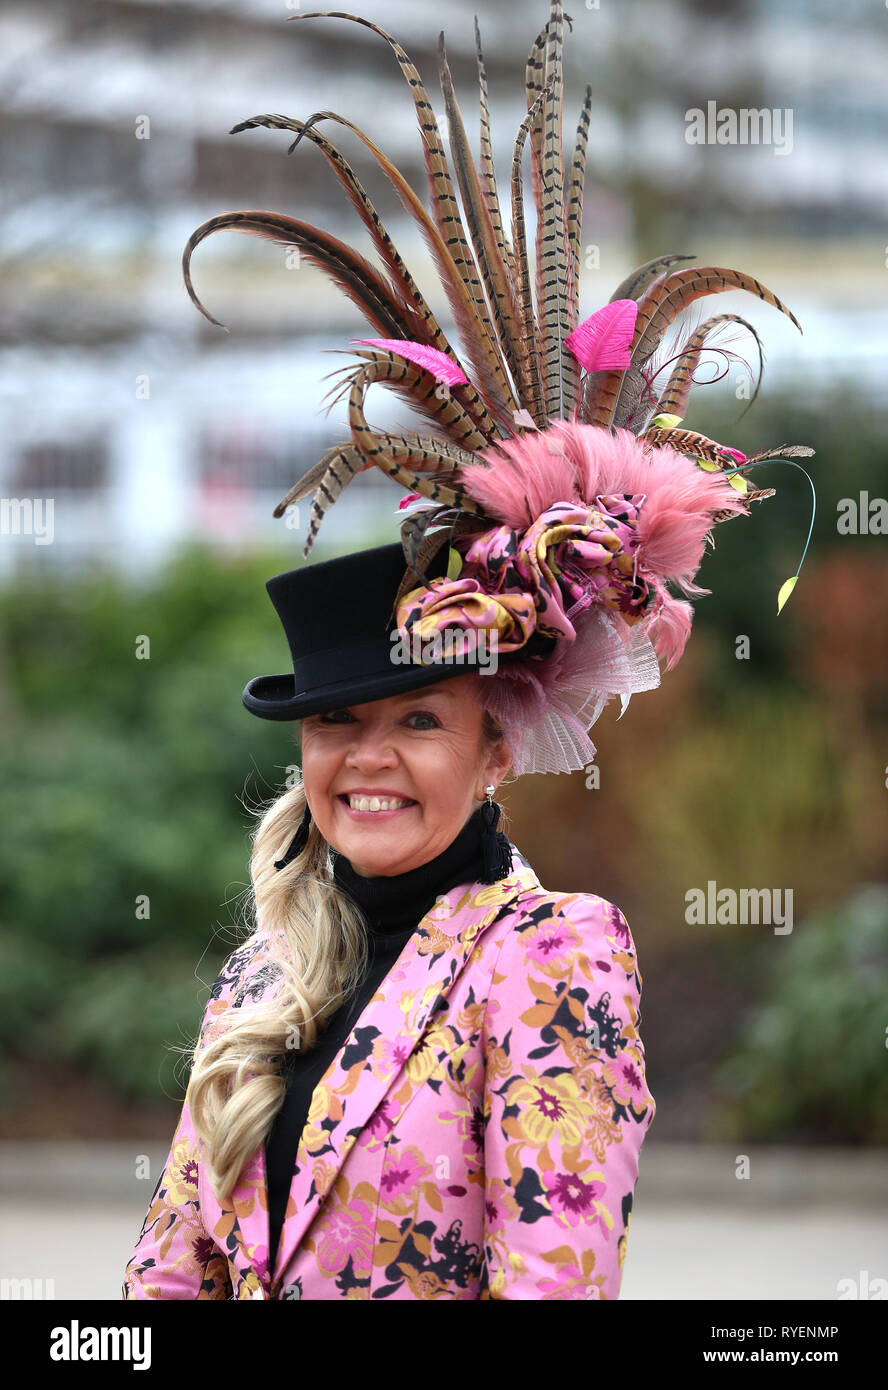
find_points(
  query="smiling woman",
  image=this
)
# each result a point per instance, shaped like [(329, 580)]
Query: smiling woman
[(421, 1076)]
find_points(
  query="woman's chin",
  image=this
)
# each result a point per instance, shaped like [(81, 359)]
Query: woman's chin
[(377, 850), (370, 862)]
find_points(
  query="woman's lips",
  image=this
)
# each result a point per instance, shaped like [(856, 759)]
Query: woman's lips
[(364, 802)]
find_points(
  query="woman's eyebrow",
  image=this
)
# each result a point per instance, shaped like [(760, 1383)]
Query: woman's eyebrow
[(415, 696)]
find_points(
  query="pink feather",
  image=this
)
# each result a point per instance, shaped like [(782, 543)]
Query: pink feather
[(603, 341), (670, 627), (438, 363), (570, 462)]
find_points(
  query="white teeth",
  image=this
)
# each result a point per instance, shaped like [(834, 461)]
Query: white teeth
[(376, 803)]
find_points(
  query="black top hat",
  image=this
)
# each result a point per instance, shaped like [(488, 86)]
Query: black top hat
[(338, 617)]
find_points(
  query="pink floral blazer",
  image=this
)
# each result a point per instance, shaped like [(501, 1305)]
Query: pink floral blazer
[(478, 1136)]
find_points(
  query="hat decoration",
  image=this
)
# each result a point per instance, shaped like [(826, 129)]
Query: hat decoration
[(561, 479)]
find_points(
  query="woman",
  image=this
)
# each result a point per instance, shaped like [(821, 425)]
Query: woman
[(466, 1123), (421, 1076)]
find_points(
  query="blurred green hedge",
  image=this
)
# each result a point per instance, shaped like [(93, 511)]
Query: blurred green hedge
[(124, 778), (810, 1066)]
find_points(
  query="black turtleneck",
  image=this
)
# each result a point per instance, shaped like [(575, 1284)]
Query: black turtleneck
[(392, 908)]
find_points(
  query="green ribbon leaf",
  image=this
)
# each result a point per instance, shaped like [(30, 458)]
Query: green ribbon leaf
[(785, 590), (454, 563)]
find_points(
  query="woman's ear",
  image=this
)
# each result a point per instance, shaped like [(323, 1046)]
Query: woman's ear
[(498, 762)]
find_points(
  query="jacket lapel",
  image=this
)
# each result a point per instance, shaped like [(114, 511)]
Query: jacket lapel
[(388, 1032)]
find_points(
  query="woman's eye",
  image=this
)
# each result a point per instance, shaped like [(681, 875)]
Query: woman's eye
[(337, 716), (423, 720)]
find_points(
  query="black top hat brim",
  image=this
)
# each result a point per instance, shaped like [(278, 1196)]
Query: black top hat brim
[(275, 697)]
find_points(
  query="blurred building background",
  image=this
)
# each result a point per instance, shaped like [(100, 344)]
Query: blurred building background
[(164, 444), (148, 425)]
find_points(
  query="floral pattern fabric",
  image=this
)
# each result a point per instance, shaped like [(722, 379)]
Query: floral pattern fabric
[(477, 1137)]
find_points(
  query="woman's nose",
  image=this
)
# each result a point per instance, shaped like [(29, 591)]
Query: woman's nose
[(372, 746)]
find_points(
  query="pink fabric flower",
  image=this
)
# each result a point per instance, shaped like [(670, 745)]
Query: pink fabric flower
[(572, 555), (462, 603)]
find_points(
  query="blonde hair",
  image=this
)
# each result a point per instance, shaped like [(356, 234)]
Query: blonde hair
[(317, 937)]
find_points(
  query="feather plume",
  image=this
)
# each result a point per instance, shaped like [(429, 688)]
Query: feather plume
[(548, 408), (657, 309), (488, 173), (347, 268), (575, 208), (495, 274)]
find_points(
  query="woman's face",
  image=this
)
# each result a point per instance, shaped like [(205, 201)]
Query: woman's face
[(391, 783)]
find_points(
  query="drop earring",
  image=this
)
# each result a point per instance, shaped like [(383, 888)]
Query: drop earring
[(495, 845)]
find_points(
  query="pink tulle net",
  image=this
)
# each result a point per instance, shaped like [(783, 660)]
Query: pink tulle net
[(545, 707)]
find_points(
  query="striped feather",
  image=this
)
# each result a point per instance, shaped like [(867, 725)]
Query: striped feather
[(454, 288), (406, 287), (691, 443), (757, 495), (420, 548), (575, 210), (372, 445), (496, 278), (423, 392), (599, 388), (780, 451), (684, 287), (561, 372), (311, 480), (532, 382), (488, 174), (658, 309), (535, 92), (342, 464), (347, 268), (328, 478), (638, 281)]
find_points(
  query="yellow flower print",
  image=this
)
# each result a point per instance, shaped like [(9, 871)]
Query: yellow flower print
[(182, 1174), (550, 1106), (495, 893), (250, 1285), (313, 1137), (424, 1058)]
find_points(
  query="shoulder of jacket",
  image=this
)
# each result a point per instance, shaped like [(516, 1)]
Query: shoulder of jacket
[(535, 900), (575, 923), (243, 979)]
